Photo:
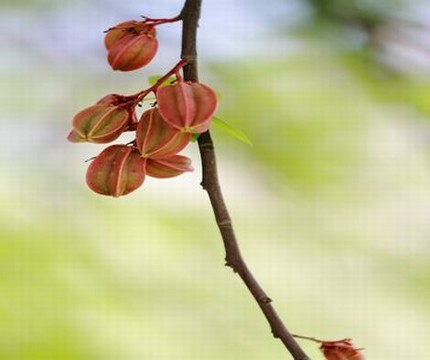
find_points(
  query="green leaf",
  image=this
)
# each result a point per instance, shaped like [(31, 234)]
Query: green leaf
[(154, 78), (194, 137), (236, 133)]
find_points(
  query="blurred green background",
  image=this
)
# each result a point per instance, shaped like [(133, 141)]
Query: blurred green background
[(331, 205)]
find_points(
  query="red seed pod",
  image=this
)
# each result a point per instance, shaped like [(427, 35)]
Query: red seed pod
[(117, 170), (156, 139), (340, 350), (100, 123), (168, 167), (111, 99), (132, 51), (118, 31), (187, 106), (117, 99)]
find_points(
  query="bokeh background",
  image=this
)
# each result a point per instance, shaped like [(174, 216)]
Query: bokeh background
[(331, 204)]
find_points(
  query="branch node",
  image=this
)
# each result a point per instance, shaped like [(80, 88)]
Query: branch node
[(230, 265), (189, 59), (265, 299), (225, 224), (206, 146)]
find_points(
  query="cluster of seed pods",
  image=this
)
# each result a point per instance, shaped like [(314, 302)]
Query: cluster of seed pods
[(181, 109)]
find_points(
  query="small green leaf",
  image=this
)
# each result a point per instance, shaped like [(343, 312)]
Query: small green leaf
[(194, 137), (236, 133), (154, 78)]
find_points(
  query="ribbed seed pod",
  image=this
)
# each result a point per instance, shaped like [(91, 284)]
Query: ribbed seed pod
[(168, 167), (341, 350), (131, 45), (187, 106), (156, 139), (100, 123), (120, 30), (117, 170), (117, 99)]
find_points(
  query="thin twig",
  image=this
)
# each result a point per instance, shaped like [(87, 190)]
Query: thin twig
[(190, 16), (310, 338)]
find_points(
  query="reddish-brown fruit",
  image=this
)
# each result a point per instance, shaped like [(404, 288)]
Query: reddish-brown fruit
[(118, 31), (187, 106), (168, 167), (100, 123), (117, 170), (116, 99), (156, 139), (111, 99), (132, 51), (340, 350)]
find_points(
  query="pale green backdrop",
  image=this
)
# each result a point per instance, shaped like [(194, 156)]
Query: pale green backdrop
[(331, 204)]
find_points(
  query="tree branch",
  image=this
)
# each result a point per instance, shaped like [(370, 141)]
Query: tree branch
[(190, 16)]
